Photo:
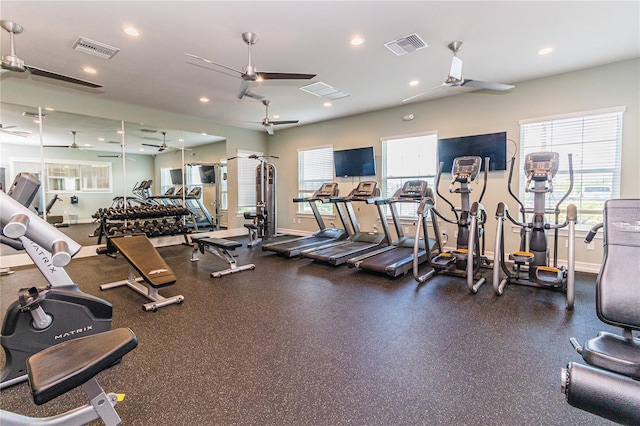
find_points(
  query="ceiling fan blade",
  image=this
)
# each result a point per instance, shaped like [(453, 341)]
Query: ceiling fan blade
[(61, 77), (149, 144), (410, 98), (486, 85), (433, 89), (212, 63), (269, 128), (19, 133), (284, 76), (275, 123), (244, 87), (456, 68)]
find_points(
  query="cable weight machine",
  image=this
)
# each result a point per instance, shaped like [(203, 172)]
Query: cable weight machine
[(263, 225)]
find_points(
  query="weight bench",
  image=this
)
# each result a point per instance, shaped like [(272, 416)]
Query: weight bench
[(220, 248), (60, 368), (145, 260)]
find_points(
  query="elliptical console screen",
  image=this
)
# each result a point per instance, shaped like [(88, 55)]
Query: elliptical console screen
[(466, 166)]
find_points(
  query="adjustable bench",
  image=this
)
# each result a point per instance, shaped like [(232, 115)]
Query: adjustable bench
[(220, 248), (60, 368), (145, 260)]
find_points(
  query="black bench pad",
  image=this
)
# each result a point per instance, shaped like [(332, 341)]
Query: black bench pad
[(145, 259), (217, 242), (60, 368)]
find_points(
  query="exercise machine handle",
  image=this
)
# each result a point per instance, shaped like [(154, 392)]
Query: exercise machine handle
[(46, 236), (486, 175), (453, 208), (592, 232)]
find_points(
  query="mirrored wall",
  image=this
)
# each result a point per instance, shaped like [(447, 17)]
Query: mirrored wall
[(90, 160)]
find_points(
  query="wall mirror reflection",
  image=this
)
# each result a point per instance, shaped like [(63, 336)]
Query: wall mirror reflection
[(89, 161)]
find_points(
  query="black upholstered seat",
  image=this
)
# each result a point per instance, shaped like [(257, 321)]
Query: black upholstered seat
[(60, 368), (618, 291)]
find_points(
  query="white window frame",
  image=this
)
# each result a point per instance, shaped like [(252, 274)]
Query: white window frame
[(577, 133), (427, 158), (312, 173), (69, 183)]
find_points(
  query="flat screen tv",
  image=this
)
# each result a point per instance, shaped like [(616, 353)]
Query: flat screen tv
[(207, 174), (176, 176), (355, 162), (492, 145)]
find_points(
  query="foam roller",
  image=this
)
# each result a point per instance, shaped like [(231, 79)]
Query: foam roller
[(603, 393)]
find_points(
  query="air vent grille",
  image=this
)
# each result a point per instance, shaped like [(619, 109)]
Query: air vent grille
[(323, 90), (95, 48), (406, 44)]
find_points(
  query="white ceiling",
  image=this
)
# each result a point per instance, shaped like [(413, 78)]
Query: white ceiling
[(501, 41)]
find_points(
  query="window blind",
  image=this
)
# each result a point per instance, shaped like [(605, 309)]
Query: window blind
[(594, 139), (315, 167)]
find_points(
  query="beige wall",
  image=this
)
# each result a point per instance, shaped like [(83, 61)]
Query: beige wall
[(479, 112)]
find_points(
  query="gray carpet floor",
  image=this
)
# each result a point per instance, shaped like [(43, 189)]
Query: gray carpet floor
[(296, 342)]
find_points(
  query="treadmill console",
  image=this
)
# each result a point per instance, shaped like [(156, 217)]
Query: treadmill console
[(366, 189), (327, 190), (466, 169), (413, 189), (541, 166)]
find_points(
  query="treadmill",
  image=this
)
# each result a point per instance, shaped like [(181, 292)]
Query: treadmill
[(324, 235), (360, 242), (397, 259)]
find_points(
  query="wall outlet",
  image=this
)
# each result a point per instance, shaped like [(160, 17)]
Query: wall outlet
[(406, 229), (294, 220), (591, 246)]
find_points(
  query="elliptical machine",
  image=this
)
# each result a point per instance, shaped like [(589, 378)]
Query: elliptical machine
[(468, 256), (531, 261), (41, 318)]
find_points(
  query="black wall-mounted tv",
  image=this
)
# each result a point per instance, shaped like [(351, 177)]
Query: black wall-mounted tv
[(492, 145), (355, 162), (207, 174), (176, 176)]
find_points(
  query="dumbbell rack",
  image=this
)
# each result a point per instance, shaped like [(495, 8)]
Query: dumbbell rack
[(154, 221)]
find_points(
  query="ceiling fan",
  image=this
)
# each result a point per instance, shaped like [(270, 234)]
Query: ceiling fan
[(249, 73), (160, 147), (454, 79), (13, 63), (20, 133), (268, 124), (73, 145)]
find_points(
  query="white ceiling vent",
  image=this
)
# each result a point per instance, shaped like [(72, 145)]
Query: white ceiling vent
[(406, 44), (95, 48), (323, 90)]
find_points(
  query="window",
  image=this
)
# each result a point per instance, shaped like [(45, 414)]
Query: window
[(406, 158), (247, 180), (594, 139), (315, 167), (70, 176)]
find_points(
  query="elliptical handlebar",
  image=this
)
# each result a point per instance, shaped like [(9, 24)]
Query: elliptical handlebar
[(453, 208), (486, 175), (522, 209)]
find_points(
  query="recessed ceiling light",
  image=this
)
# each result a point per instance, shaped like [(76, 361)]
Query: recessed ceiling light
[(204, 133), (545, 51), (49, 109), (204, 99), (357, 41), (414, 83), (89, 70), (327, 104), (101, 139), (180, 140), (276, 116), (132, 31), (86, 144), (141, 149)]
